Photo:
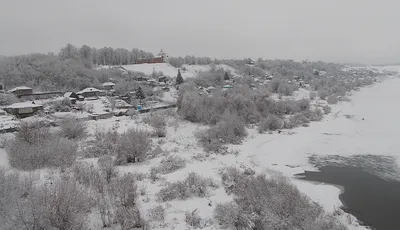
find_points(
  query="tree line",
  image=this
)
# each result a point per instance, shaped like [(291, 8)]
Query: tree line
[(104, 56)]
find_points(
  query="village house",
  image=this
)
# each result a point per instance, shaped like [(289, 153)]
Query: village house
[(41, 95), (89, 93), (21, 91), (23, 109), (108, 86)]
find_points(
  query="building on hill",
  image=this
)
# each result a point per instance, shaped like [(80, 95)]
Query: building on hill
[(89, 92), (161, 57), (21, 91), (24, 109), (41, 95), (108, 85)]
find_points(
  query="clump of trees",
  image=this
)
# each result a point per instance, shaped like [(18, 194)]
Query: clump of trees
[(35, 147), (229, 112), (189, 60), (193, 185), (128, 147), (274, 203)]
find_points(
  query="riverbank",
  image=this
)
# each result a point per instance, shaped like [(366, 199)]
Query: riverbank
[(367, 125)]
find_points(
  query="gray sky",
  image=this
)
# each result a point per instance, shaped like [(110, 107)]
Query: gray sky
[(331, 30)]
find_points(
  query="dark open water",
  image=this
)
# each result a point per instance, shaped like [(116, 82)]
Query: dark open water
[(373, 200)]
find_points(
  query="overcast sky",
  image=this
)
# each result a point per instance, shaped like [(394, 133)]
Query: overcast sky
[(365, 31)]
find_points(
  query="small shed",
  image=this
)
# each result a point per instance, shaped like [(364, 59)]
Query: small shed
[(21, 91), (71, 95), (23, 109), (108, 85), (89, 92)]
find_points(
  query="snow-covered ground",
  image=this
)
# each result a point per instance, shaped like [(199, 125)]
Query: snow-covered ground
[(187, 71), (365, 125)]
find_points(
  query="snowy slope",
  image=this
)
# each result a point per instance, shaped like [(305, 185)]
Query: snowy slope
[(187, 71)]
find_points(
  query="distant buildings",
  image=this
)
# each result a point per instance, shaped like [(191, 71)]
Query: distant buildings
[(160, 58), (108, 86)]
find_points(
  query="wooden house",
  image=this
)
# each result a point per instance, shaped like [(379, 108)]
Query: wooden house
[(21, 91), (24, 109), (89, 93)]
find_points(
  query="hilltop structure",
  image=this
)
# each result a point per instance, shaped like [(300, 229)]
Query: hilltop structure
[(161, 57)]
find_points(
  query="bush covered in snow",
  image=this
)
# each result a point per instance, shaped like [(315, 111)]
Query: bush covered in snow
[(158, 122), (327, 109), (132, 146), (157, 213), (61, 106), (170, 164), (108, 168), (333, 99), (104, 143), (73, 128), (34, 147), (193, 219), (193, 185), (270, 123), (230, 130), (261, 203), (62, 204), (282, 88)]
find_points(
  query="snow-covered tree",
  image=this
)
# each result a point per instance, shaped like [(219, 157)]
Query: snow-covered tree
[(69, 51), (226, 76), (179, 78)]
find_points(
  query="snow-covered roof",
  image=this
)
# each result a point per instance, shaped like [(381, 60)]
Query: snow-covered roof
[(87, 90), (19, 88), (23, 105), (108, 84), (68, 94)]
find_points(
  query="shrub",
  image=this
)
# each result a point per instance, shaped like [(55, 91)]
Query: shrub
[(313, 95), (154, 174), (52, 152), (157, 213), (61, 106), (63, 204), (303, 104), (227, 214), (193, 219), (108, 168), (261, 203), (128, 218), (125, 190), (132, 146), (230, 130), (72, 128), (159, 123), (33, 132), (327, 109), (272, 122), (170, 164), (193, 185), (103, 144), (299, 119), (231, 177), (89, 176), (333, 99), (323, 94)]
